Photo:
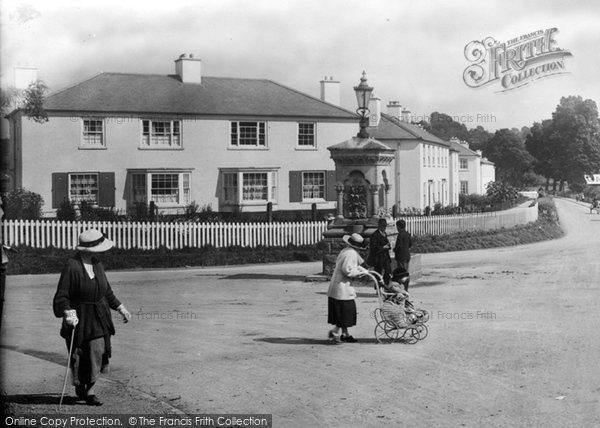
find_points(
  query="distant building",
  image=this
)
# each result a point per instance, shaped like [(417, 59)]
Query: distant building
[(592, 180), (425, 169), (474, 171)]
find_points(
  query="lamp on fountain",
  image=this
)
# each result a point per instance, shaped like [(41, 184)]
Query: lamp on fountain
[(363, 95)]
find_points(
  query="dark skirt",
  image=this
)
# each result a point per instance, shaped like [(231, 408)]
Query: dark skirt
[(88, 361), (341, 313)]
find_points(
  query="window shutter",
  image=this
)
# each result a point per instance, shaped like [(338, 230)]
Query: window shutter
[(106, 189), (60, 188), (295, 186), (330, 193)]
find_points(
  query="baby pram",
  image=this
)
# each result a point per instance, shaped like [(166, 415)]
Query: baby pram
[(396, 318)]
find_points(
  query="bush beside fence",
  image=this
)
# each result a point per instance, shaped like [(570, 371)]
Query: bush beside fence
[(64, 234)]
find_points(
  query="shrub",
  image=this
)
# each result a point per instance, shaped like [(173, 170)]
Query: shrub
[(66, 212), (21, 204), (473, 202), (91, 213), (501, 194), (591, 192), (576, 187)]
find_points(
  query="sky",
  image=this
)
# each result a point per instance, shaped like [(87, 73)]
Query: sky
[(412, 51)]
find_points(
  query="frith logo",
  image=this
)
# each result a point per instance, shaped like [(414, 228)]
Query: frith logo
[(515, 63)]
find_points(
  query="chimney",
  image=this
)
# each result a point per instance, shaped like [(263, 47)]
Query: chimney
[(394, 109), (375, 110), (188, 68), (330, 91), (24, 76), (405, 115)]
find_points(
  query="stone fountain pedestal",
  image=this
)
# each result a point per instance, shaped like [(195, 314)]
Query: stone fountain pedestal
[(362, 166)]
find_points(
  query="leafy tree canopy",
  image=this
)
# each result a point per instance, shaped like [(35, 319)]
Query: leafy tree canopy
[(567, 147), (443, 126), (30, 100), (508, 153)]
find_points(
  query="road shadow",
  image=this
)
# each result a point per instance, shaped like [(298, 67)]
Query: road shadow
[(265, 276), (313, 341), (53, 357), (295, 340), (426, 284), (49, 399)]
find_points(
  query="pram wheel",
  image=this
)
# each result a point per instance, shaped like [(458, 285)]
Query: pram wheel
[(386, 332), (420, 332), (410, 336)]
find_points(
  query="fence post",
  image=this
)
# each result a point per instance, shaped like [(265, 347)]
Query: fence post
[(270, 212)]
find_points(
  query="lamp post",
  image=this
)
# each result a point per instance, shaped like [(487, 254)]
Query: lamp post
[(363, 95)]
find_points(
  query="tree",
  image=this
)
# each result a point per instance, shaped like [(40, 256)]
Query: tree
[(30, 100), (33, 104), (478, 137), (21, 204), (508, 153), (544, 150), (567, 147), (525, 131), (443, 126), (8, 98), (574, 132)]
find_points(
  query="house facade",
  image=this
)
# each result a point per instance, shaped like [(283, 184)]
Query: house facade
[(126, 141), (474, 171), (424, 172), (120, 140)]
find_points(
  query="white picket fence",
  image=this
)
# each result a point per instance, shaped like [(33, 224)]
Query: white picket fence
[(439, 225), (61, 234)]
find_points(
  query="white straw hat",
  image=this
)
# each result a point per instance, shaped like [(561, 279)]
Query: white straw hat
[(94, 241), (355, 241)]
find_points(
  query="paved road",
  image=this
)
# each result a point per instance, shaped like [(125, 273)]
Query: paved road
[(513, 340)]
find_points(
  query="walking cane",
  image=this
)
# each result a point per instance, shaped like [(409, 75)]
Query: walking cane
[(68, 367)]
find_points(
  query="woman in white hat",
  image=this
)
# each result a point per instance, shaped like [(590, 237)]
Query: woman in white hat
[(83, 299), (341, 305)]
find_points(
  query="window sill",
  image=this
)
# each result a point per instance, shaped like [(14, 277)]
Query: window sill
[(314, 201), (248, 203), (247, 148), (91, 148), (169, 206), (308, 148), (160, 148)]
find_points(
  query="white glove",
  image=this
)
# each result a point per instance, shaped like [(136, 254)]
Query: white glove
[(70, 317), (124, 313), (362, 271)]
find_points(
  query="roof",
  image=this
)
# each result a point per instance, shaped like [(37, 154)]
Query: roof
[(462, 150), (166, 94), (364, 144), (392, 128)]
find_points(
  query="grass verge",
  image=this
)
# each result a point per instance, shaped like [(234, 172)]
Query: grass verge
[(51, 260)]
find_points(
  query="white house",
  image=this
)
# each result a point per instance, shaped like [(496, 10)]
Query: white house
[(474, 171), (424, 171), (237, 145), (120, 139)]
